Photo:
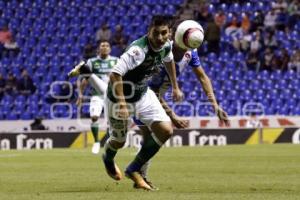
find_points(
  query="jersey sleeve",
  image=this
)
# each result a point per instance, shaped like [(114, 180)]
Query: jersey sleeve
[(195, 61), (130, 59), (169, 56), (89, 64)]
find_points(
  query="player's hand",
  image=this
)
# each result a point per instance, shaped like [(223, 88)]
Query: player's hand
[(222, 115), (179, 123), (79, 100), (177, 95)]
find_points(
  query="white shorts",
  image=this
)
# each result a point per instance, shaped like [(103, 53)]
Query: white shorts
[(96, 106), (148, 110)]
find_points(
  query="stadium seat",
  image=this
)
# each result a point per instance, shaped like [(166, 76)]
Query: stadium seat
[(11, 116), (26, 116)]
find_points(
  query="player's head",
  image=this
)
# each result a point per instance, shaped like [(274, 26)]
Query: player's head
[(159, 31), (104, 48)]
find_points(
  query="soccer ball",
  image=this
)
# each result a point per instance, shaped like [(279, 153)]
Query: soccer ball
[(189, 34)]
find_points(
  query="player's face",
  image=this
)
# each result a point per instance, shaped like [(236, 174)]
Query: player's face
[(104, 49), (158, 36)]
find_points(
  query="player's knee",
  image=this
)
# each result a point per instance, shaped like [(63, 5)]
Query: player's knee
[(162, 129), (116, 144), (167, 131)]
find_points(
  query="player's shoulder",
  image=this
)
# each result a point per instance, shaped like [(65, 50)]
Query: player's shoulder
[(141, 42), (93, 59), (168, 45)]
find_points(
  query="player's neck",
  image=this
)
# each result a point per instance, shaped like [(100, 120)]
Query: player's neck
[(152, 47), (103, 57)]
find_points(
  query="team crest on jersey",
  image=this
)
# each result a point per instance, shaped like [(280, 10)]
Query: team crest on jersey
[(112, 63), (136, 52)]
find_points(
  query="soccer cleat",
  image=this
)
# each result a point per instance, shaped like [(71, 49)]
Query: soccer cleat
[(112, 169), (138, 180), (96, 148), (153, 187), (81, 68)]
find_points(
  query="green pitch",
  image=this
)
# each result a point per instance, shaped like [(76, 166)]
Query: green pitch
[(231, 172)]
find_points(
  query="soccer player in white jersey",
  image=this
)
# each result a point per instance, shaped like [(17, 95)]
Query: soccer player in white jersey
[(101, 65)]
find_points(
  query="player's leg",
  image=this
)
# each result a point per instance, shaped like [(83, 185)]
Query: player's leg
[(94, 80), (146, 132), (80, 69), (96, 106), (117, 136), (151, 113)]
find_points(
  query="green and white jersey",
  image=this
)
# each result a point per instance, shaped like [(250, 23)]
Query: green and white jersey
[(137, 65), (102, 68)]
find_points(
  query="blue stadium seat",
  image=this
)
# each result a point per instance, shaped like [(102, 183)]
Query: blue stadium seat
[(170, 10), (269, 111), (294, 84), (26, 116), (259, 95), (235, 8), (241, 85), (246, 95), (295, 111), (233, 95), (267, 84), (263, 75), (281, 84), (249, 75), (285, 94), (212, 57), (224, 7), (11, 116), (145, 10), (255, 85), (247, 7)]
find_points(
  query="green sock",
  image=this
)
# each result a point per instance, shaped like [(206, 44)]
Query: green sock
[(109, 152), (95, 130), (149, 148)]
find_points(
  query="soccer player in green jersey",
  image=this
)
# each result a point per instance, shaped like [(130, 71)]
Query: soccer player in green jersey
[(101, 66), (128, 94)]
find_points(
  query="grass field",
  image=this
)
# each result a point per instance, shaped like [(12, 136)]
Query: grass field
[(230, 172)]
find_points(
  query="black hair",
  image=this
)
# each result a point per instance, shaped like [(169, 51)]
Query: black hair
[(161, 20), (102, 41)]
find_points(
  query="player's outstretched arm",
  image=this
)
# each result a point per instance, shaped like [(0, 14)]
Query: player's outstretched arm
[(208, 89), (177, 121), (171, 70)]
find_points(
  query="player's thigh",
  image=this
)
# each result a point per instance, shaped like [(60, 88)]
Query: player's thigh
[(149, 110), (96, 106)]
